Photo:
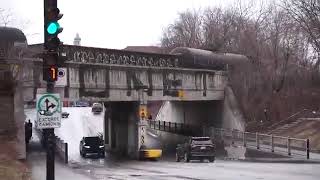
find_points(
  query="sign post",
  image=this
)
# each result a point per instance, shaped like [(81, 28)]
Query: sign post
[(48, 105)]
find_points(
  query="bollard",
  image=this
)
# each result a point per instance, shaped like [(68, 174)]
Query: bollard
[(169, 126), (308, 148), (288, 146), (272, 144), (164, 125), (159, 125), (175, 127), (232, 137), (244, 139), (66, 153), (257, 140)]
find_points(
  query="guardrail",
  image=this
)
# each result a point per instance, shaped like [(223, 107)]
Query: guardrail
[(290, 146), (61, 147), (177, 128)]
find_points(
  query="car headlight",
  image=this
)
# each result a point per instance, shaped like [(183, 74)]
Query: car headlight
[(86, 146), (101, 146)]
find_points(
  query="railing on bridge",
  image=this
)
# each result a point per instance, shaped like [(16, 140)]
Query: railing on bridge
[(275, 144), (177, 128), (279, 144)]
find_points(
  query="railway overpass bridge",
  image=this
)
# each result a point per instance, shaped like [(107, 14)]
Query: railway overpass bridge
[(122, 79)]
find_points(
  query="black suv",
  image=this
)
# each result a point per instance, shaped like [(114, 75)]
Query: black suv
[(196, 148), (92, 145)]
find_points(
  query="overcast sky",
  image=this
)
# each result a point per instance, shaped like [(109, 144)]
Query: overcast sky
[(105, 23)]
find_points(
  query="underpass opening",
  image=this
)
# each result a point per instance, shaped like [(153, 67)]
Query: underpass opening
[(196, 114)]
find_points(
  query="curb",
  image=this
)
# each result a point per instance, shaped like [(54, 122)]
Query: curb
[(294, 161)]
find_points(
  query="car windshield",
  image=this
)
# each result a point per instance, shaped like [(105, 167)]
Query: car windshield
[(204, 140), (92, 140)]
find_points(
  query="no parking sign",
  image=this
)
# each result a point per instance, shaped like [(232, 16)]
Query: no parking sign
[(62, 77)]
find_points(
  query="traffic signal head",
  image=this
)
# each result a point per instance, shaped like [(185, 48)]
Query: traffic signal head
[(52, 26), (143, 111), (50, 73)]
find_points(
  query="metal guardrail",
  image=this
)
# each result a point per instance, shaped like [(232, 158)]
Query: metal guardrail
[(276, 144), (177, 128), (290, 146)]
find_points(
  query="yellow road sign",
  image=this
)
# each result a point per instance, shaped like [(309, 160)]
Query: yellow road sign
[(143, 111)]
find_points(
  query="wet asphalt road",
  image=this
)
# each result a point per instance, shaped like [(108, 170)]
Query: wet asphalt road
[(167, 169)]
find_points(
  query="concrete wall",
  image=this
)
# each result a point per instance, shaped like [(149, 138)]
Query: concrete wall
[(115, 83), (232, 115), (122, 128)]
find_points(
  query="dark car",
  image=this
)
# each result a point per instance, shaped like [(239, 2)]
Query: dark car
[(97, 108), (64, 115), (92, 145), (81, 104), (197, 148)]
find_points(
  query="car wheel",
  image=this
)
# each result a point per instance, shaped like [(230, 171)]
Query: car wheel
[(186, 157), (102, 155), (177, 158), (211, 159)]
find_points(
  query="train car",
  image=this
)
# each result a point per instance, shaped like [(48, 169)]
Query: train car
[(203, 59)]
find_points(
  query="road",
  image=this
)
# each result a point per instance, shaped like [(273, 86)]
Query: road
[(80, 122), (220, 169)]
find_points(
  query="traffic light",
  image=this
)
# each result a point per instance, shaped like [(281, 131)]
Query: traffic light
[(52, 28), (143, 111), (175, 93), (50, 73), (52, 58)]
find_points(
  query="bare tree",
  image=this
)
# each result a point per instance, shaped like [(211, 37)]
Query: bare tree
[(307, 14), (5, 17), (184, 32)]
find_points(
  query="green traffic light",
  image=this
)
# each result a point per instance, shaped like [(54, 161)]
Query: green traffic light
[(53, 27)]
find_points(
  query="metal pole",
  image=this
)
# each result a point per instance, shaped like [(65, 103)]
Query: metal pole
[(272, 143), (257, 140), (308, 149), (288, 145), (232, 137), (244, 139), (51, 143)]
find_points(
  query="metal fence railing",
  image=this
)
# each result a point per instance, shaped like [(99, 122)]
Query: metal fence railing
[(288, 145), (276, 144)]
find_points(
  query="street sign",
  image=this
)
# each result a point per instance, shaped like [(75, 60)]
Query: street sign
[(48, 111), (62, 77)]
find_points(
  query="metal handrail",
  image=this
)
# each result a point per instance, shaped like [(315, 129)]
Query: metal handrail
[(276, 124)]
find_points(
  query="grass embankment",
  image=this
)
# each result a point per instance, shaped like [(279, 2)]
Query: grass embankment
[(10, 167)]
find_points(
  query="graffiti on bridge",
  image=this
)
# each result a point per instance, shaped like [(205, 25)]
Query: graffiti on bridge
[(118, 57)]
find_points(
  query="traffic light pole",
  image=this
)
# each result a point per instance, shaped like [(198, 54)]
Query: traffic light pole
[(49, 60), (50, 142)]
